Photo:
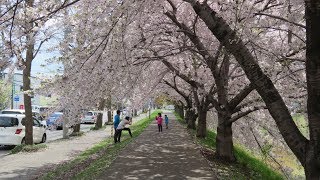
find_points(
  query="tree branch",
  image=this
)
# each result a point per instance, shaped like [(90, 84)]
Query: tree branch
[(240, 96), (242, 114), (281, 18)]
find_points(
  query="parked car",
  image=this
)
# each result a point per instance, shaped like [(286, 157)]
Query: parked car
[(12, 130), (169, 107), (55, 121), (89, 117), (22, 111)]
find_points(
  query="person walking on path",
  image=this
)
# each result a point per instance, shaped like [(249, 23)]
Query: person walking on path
[(159, 122), (166, 120), (121, 127)]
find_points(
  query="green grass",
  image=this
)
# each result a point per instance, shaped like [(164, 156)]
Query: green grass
[(28, 148), (302, 124), (259, 170), (246, 165), (75, 134), (94, 128), (109, 153)]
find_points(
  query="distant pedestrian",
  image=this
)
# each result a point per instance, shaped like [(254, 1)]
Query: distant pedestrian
[(121, 127), (159, 122), (116, 120), (166, 120)]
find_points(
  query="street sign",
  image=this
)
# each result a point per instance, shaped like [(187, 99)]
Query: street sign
[(16, 98)]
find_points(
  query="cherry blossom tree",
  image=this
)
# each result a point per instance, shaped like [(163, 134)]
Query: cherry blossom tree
[(277, 108), (25, 28), (204, 54)]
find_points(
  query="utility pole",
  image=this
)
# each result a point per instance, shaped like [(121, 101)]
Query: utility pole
[(12, 91)]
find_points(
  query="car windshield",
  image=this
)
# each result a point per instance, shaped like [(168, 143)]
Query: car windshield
[(89, 114), (8, 122), (11, 112)]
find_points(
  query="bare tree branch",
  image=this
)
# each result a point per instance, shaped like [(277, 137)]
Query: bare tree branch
[(281, 18), (242, 114)]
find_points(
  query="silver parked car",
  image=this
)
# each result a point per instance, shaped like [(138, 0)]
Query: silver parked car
[(89, 117)]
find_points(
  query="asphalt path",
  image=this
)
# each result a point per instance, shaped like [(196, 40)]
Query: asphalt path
[(51, 136)]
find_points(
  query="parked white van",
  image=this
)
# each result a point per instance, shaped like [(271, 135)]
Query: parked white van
[(12, 130)]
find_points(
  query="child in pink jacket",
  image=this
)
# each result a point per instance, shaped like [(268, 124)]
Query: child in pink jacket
[(159, 122)]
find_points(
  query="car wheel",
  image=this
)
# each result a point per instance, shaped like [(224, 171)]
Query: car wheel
[(23, 141), (44, 138)]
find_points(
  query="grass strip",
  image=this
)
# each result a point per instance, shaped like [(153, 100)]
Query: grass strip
[(99, 157), (257, 169), (75, 134), (28, 148), (94, 128)]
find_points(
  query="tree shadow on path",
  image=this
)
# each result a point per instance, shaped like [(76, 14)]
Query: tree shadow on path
[(170, 154)]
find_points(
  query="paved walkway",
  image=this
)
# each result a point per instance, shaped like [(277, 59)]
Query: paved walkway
[(29, 165), (167, 155)]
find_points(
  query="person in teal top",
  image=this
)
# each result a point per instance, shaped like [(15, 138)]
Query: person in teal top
[(166, 120), (116, 120)]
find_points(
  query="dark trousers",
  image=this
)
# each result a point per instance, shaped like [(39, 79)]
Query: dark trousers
[(160, 127), (127, 129), (117, 134)]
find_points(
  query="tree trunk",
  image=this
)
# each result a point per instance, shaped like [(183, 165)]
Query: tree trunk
[(26, 81), (109, 116), (27, 102), (109, 104), (224, 139), (202, 124), (99, 121), (276, 106), (65, 128), (76, 128), (312, 164), (182, 113), (191, 118), (187, 116), (100, 115), (179, 110)]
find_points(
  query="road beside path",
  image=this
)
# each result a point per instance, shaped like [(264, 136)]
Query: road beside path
[(30, 165), (167, 155), (51, 136)]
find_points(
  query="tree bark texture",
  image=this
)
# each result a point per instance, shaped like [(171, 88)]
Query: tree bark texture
[(191, 118), (27, 99), (109, 104), (202, 123), (312, 164), (276, 106), (65, 128), (224, 139), (76, 128), (109, 117), (100, 114), (26, 81)]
